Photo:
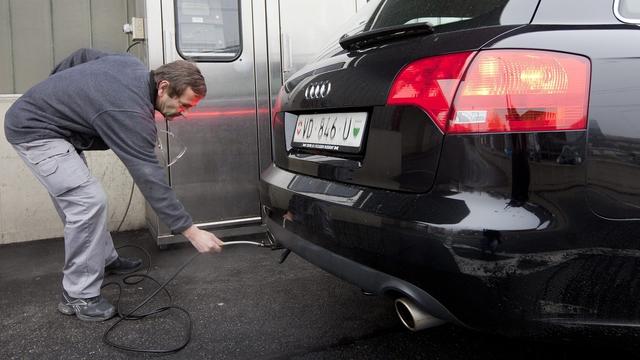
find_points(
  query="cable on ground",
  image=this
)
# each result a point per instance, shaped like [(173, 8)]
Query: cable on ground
[(135, 278)]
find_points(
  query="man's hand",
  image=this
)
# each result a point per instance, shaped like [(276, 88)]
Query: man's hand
[(203, 241)]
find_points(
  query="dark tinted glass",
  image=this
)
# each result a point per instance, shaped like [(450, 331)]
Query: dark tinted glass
[(438, 12)]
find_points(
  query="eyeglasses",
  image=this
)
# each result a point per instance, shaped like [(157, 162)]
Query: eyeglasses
[(175, 144)]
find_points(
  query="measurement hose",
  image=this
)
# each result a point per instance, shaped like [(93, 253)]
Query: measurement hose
[(130, 315)]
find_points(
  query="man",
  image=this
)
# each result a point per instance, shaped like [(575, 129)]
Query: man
[(98, 101)]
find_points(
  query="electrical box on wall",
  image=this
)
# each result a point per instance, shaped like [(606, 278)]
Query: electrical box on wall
[(138, 28), (135, 28)]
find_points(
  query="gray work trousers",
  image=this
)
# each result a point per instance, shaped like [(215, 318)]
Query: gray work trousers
[(82, 205)]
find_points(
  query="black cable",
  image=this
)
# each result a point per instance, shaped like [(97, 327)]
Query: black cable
[(134, 183), (130, 315), (134, 44), (126, 211)]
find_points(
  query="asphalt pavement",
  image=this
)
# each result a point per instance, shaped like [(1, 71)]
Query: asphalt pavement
[(244, 305)]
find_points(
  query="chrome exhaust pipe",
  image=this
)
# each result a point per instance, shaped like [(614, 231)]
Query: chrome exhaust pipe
[(414, 318), (271, 239)]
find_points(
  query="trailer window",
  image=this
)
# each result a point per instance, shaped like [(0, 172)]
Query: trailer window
[(208, 30), (628, 11)]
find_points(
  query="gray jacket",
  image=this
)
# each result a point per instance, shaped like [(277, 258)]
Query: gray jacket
[(100, 101)]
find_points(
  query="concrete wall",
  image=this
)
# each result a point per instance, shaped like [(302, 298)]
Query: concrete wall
[(26, 212), (51, 30)]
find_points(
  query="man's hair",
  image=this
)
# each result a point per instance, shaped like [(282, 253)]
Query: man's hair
[(181, 75)]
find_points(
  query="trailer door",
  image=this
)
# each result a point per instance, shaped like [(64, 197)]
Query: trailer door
[(217, 178)]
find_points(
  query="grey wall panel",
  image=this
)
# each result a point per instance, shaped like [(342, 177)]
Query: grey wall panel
[(37, 34), (136, 8), (131, 9), (71, 27), (106, 28), (6, 55), (32, 39)]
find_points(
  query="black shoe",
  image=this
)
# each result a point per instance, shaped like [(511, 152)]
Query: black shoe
[(123, 265), (90, 309)]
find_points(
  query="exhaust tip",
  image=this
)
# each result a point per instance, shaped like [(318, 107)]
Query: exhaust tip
[(405, 315), (414, 318), (271, 238)]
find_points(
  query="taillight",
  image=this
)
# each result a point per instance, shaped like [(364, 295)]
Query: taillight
[(521, 90), (277, 107), (430, 84), (514, 91)]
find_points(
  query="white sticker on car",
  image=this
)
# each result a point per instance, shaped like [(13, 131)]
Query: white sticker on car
[(470, 117)]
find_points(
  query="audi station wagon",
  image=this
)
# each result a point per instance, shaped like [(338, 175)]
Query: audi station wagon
[(476, 160)]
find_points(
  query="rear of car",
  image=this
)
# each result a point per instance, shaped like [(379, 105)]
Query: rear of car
[(458, 154)]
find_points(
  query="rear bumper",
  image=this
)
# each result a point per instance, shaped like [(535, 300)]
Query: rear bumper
[(437, 248), (365, 277), (500, 242)]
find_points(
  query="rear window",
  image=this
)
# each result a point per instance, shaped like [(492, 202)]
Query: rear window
[(628, 10), (446, 15)]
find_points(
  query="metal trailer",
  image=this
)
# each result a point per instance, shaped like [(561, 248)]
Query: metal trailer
[(245, 49)]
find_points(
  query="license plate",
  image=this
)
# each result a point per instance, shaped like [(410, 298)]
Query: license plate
[(342, 132)]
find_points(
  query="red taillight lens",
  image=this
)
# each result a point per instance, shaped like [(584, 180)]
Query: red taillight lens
[(502, 91), (522, 90), (430, 84), (277, 106)]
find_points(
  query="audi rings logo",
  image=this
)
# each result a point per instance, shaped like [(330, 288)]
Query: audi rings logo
[(317, 90)]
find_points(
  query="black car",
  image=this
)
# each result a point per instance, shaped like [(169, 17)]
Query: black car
[(478, 160)]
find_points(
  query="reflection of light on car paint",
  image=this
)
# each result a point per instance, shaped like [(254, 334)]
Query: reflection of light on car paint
[(334, 193), (544, 225), (487, 212), (342, 200), (510, 264)]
